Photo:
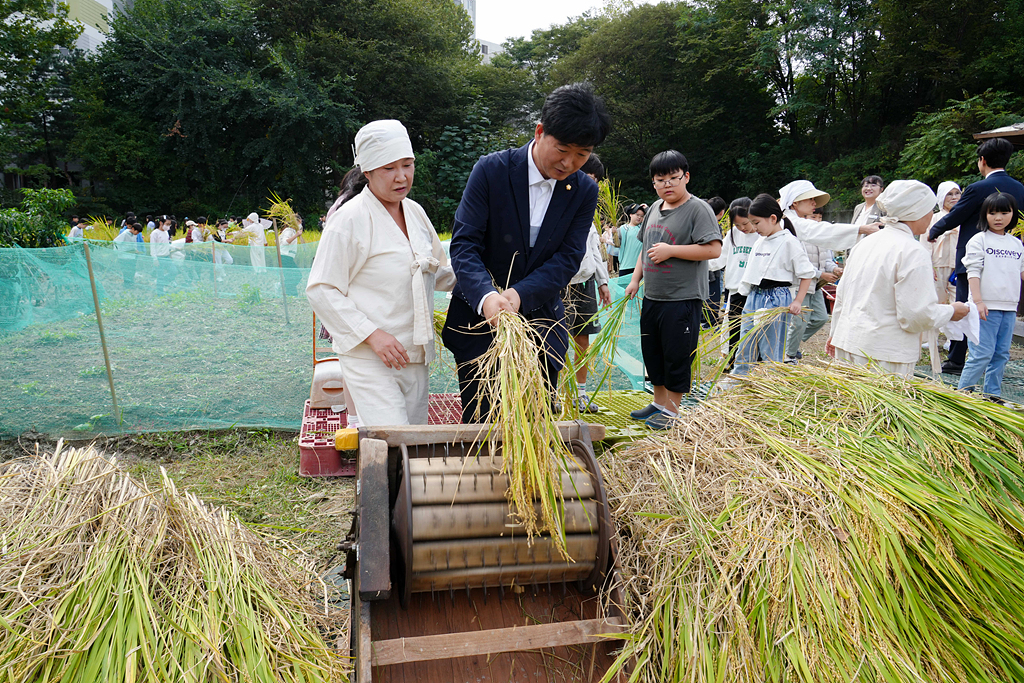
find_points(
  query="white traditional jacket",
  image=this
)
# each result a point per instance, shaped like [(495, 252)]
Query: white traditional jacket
[(886, 298), (366, 276)]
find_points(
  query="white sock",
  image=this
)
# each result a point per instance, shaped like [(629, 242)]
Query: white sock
[(669, 412), (581, 389), (661, 408)]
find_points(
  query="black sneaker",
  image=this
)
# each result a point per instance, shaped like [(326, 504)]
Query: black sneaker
[(950, 369), (644, 413)]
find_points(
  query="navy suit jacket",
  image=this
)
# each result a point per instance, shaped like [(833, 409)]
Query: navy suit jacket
[(965, 213), (490, 249)]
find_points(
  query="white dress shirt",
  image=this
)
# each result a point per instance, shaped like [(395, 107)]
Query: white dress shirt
[(541, 189)]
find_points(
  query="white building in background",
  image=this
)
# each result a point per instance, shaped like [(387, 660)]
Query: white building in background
[(95, 16), (470, 6)]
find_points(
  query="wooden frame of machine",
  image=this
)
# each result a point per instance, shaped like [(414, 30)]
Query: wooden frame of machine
[(445, 585)]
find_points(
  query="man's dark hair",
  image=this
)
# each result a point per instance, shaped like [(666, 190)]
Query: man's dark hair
[(593, 166), (996, 152), (574, 115), (201, 220), (665, 163), (717, 204)]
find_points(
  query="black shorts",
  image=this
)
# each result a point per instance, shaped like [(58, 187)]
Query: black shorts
[(669, 333), (580, 306)]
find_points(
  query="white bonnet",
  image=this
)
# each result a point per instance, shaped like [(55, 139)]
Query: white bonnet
[(944, 189), (802, 189), (906, 200), (381, 142)]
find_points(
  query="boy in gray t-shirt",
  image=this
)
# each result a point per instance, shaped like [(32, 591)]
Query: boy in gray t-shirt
[(679, 234)]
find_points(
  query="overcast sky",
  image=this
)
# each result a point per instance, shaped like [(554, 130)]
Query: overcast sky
[(497, 20)]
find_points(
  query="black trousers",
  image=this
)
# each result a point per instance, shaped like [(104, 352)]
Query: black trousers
[(475, 407)]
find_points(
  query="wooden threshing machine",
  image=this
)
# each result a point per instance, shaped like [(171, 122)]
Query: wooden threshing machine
[(447, 588)]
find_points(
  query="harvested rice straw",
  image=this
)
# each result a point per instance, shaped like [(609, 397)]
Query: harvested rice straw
[(603, 344), (533, 453), (105, 579), (825, 524), (281, 209)]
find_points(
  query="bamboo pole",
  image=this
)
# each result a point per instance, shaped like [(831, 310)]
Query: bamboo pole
[(103, 337), (280, 268)]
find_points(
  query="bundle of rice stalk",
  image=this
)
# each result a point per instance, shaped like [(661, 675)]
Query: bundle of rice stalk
[(282, 211), (602, 345), (825, 524), (533, 454), (609, 208), (104, 579), (97, 228)]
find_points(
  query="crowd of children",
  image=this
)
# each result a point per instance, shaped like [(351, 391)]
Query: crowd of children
[(777, 257)]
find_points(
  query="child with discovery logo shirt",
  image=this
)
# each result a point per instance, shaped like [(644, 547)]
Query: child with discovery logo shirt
[(994, 261), (680, 235)]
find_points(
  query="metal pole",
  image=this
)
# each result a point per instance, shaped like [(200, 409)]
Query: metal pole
[(284, 295), (103, 337)]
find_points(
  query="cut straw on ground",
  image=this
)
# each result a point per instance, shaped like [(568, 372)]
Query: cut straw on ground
[(825, 524), (105, 579)]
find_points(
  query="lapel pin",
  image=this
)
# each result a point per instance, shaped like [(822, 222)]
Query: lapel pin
[(568, 187)]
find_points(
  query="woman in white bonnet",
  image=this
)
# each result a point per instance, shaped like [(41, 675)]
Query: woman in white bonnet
[(373, 279), (886, 297), (254, 228), (943, 250)]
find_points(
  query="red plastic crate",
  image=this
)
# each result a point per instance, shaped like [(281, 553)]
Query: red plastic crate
[(317, 455), (319, 458)]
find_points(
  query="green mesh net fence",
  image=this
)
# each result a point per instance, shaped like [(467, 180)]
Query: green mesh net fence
[(198, 339)]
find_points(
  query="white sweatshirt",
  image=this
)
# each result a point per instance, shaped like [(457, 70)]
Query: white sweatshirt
[(592, 263), (835, 236), (160, 243), (998, 260), (780, 257), (886, 298), (364, 275)]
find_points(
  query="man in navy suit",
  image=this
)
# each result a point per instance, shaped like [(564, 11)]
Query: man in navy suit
[(522, 228), (993, 155)]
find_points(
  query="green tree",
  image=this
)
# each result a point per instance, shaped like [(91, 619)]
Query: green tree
[(36, 46), (941, 145)]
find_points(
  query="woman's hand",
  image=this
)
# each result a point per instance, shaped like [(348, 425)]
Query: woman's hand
[(829, 348), (796, 307), (388, 349), (982, 310)]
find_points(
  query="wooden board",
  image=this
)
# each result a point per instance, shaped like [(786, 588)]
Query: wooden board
[(517, 638), (412, 435), (446, 614), (374, 510)]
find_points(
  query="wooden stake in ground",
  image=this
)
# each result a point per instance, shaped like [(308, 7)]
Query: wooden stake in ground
[(103, 337)]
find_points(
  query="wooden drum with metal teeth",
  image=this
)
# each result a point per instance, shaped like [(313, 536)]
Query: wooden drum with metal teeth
[(454, 530)]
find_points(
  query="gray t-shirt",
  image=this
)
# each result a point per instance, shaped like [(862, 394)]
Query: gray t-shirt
[(677, 279)]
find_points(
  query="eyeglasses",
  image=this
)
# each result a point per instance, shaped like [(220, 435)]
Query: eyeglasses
[(871, 185), (668, 182)]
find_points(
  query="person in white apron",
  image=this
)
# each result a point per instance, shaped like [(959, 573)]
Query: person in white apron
[(373, 279), (254, 228)]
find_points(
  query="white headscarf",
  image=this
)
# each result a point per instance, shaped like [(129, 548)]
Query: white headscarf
[(381, 142), (906, 200), (944, 188), (796, 190)]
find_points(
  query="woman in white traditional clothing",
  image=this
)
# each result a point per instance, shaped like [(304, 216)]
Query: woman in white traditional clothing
[(254, 228), (943, 250), (373, 279), (886, 297)]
